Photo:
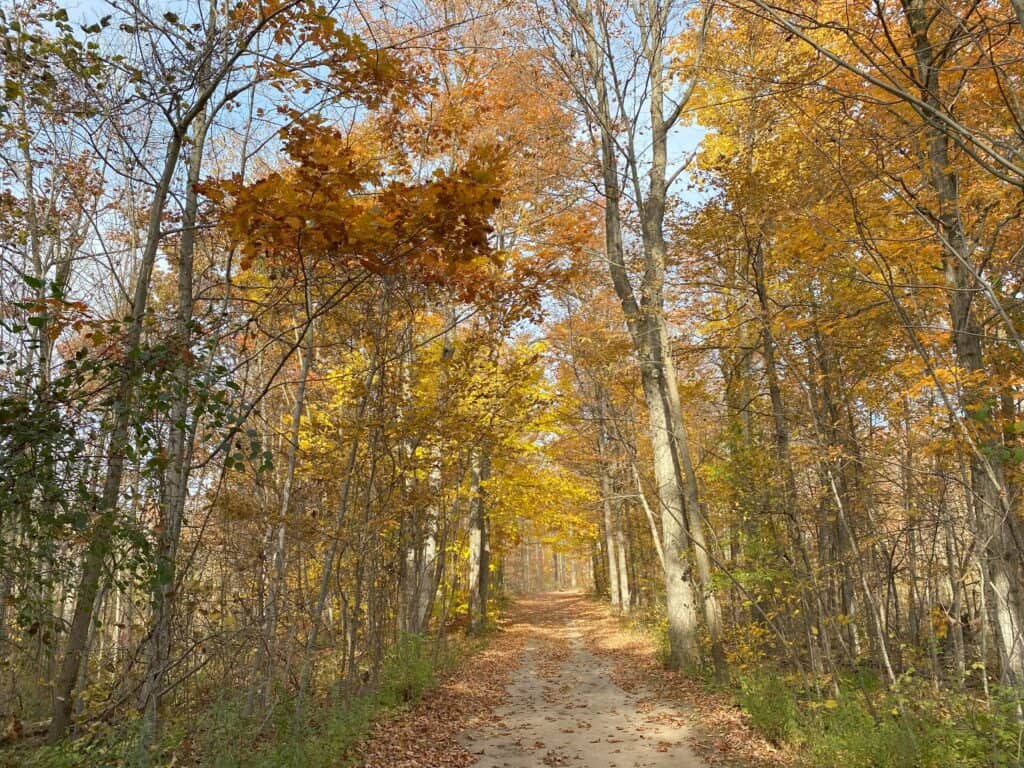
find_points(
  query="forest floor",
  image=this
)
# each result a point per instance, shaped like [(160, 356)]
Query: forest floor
[(564, 683)]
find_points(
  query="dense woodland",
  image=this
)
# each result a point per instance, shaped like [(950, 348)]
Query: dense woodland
[(323, 328)]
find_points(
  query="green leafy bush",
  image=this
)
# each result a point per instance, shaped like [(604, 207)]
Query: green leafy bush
[(846, 734), (408, 670), (228, 735), (765, 696), (910, 726), (116, 746)]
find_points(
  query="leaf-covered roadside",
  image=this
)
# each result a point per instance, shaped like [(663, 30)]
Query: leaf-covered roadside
[(722, 735), (425, 733)]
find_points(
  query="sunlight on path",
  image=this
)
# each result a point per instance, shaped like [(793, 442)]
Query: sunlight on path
[(564, 710)]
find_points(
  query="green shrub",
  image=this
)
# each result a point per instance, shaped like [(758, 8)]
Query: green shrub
[(408, 670), (228, 735), (223, 733), (848, 736), (106, 745), (912, 727), (226, 739), (871, 727), (771, 705)]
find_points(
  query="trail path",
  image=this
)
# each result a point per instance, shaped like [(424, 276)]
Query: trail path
[(564, 709), (563, 683)]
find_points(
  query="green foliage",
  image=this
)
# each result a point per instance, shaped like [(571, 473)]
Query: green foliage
[(319, 739), (408, 670), (46, 497), (846, 734), (103, 745), (223, 734), (765, 696), (225, 737), (909, 726), (229, 735)]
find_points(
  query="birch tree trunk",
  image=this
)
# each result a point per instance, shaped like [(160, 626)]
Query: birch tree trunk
[(606, 508), (625, 596), (610, 545)]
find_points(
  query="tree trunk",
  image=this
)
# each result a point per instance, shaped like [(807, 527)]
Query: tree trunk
[(680, 602), (179, 451), (682, 528), (997, 526), (607, 490), (479, 545), (694, 521), (98, 546), (278, 539), (625, 597), (780, 423), (1018, 7), (609, 538), (649, 514)]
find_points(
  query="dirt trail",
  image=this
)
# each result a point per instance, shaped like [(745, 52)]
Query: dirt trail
[(564, 709)]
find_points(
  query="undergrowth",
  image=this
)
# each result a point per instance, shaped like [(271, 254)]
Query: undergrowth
[(869, 726), (227, 735)]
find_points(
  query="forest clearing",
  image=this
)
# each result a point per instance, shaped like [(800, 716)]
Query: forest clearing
[(512, 382)]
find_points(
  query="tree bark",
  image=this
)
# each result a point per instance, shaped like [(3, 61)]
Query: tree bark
[(998, 528), (179, 449), (479, 544), (645, 321), (278, 539), (98, 546), (649, 514), (614, 594)]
